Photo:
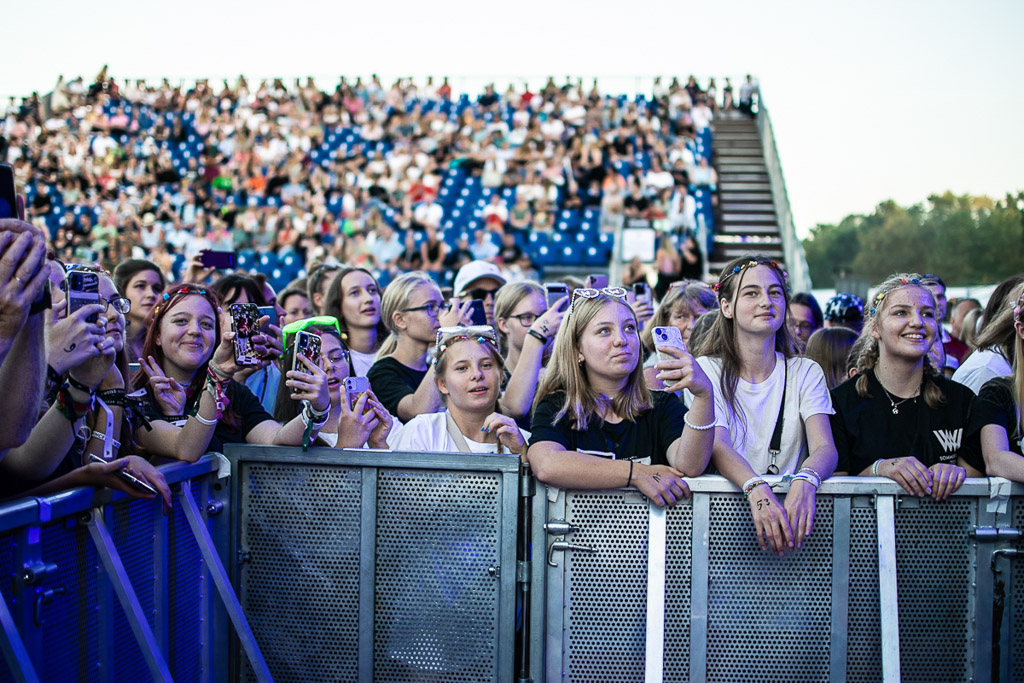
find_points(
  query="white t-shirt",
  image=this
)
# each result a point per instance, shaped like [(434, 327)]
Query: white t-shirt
[(428, 432), (751, 433), (361, 362), (980, 367)]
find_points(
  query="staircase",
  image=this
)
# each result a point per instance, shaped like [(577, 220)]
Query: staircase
[(747, 221)]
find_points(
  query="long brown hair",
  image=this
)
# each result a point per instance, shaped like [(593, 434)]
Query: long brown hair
[(830, 348), (335, 295), (868, 358), (684, 297), (566, 374), (720, 341)]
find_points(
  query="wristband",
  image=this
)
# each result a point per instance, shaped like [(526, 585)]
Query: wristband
[(53, 377), (751, 485), (537, 335), (216, 375), (315, 416), (202, 420), (217, 371), (113, 397), (874, 468), (42, 303), (103, 437), (75, 384), (630, 479), (697, 428)]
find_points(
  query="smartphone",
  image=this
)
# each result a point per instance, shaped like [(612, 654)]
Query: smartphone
[(8, 198), (642, 292), (556, 290), (243, 323), (354, 388), (597, 281), (128, 477), (309, 346), (83, 289), (668, 336), (217, 259), (477, 314), (270, 311)]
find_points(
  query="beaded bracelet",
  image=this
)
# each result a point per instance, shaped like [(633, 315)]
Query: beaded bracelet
[(697, 428), (751, 485), (202, 420)]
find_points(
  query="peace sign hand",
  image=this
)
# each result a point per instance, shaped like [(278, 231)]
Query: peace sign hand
[(169, 394)]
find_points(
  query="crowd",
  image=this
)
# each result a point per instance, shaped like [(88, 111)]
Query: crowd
[(391, 178), (108, 374)]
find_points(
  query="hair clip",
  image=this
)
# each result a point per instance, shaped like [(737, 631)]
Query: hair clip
[(752, 262)]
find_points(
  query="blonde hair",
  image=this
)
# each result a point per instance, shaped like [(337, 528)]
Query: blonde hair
[(567, 374), (441, 363), (682, 297), (396, 297), (506, 301), (969, 329), (1018, 365), (868, 358)]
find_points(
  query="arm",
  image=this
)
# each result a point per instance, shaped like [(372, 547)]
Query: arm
[(522, 385), (1000, 461), (310, 386), (187, 442), (554, 465), (426, 398), (691, 452), (22, 376), (801, 500)]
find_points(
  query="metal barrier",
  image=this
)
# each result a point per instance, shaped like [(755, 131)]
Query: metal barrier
[(376, 566), (888, 587)]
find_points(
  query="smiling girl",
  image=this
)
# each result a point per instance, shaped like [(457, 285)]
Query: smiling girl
[(899, 418), (771, 407)]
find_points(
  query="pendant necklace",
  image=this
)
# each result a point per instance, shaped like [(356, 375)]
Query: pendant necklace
[(896, 405)]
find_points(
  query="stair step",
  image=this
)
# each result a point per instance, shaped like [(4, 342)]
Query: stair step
[(736, 159), (732, 176), (748, 207), (730, 143), (756, 218), (728, 166), (743, 229), (733, 196), (748, 239), (737, 135), (760, 187), (754, 152)]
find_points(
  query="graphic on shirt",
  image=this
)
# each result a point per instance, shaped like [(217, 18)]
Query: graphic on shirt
[(949, 439)]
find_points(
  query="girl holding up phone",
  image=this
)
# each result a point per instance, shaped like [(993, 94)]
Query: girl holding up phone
[(363, 422), (597, 425), (194, 405), (771, 407), (467, 371)]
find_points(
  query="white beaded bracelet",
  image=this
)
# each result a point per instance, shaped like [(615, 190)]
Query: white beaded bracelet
[(202, 420), (697, 428)]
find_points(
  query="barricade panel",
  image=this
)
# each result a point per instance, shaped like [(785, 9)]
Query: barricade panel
[(606, 591), (7, 576), (184, 588), (936, 570), (1015, 600), (678, 561), (438, 541), (769, 618), (299, 582), (131, 528)]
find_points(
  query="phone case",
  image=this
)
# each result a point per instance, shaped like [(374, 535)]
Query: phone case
[(668, 336), (355, 387), (83, 289)]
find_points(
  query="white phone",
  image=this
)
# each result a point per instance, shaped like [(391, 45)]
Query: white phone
[(668, 336)]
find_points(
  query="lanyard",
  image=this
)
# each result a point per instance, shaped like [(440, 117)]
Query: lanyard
[(775, 447), (458, 438)]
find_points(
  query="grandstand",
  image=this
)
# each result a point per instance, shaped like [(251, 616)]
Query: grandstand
[(177, 136)]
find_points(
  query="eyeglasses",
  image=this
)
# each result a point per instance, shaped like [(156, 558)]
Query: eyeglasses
[(590, 293), (451, 335), (119, 303), (432, 309), (480, 293), (526, 319), (338, 356)]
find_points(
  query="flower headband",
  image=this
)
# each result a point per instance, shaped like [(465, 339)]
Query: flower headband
[(591, 293), (483, 334), (749, 264), (184, 289), (882, 293)]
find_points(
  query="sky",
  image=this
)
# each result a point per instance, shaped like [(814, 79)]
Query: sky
[(869, 100)]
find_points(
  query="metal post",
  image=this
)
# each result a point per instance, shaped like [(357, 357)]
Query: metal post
[(220, 580), (126, 595), (840, 586), (887, 592), (367, 569), (524, 571), (699, 574), (656, 542), (13, 648)]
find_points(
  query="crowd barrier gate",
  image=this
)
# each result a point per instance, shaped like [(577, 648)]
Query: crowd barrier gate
[(363, 565)]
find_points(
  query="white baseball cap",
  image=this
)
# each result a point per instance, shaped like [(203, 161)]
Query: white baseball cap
[(473, 271)]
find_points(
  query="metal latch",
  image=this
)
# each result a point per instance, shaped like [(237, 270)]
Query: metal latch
[(560, 527), (563, 546), (990, 534)]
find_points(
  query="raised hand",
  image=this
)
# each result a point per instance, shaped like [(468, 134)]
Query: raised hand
[(682, 371), (169, 394)]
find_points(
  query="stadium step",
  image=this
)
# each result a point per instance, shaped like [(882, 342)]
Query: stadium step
[(729, 167), (760, 187), (766, 228), (739, 196), (748, 207), (727, 176)]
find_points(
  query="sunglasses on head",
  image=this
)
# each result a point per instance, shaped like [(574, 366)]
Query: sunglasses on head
[(591, 293), (446, 336)]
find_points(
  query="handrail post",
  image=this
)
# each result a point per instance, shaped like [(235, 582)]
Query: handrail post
[(888, 594), (13, 647)]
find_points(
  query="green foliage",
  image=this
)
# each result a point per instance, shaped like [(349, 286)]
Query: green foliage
[(967, 240)]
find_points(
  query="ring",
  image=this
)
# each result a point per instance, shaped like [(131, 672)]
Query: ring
[(19, 280)]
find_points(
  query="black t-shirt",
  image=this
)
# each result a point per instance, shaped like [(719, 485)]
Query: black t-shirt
[(511, 254), (392, 381), (866, 429), (650, 436), (995, 406), (244, 410)]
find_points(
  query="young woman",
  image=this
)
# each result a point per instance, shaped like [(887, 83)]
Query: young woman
[(354, 299), (669, 262), (364, 423), (467, 371), (995, 347), (684, 303), (526, 328), (996, 412), (296, 305), (899, 418), (596, 425), (412, 309), (830, 348), (85, 437), (771, 407), (194, 406), (141, 282)]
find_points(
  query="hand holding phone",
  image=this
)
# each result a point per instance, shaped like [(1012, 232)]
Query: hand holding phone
[(83, 290), (555, 291), (127, 477), (217, 259), (308, 345), (270, 312), (478, 315), (354, 388), (668, 336)]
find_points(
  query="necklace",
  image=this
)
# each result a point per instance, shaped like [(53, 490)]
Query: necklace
[(896, 405)]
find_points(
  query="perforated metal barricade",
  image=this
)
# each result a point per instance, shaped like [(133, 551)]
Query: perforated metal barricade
[(66, 560), (888, 587), (365, 565)]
